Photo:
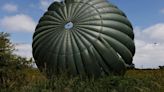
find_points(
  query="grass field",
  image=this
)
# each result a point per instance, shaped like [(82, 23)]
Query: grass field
[(133, 81)]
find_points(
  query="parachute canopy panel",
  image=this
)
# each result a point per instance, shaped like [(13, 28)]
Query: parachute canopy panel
[(83, 37)]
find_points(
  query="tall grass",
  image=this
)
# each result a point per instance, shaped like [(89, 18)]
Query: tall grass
[(133, 81)]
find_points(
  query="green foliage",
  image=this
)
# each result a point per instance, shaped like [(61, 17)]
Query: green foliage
[(6, 47), (133, 81), (11, 66)]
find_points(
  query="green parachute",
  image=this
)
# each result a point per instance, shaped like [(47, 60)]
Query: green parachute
[(83, 37)]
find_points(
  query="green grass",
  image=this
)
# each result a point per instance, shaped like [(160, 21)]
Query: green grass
[(133, 81)]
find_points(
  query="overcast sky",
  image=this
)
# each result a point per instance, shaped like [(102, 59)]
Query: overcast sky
[(19, 18)]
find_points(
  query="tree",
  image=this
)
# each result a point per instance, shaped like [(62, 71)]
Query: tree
[(161, 67), (12, 66), (6, 51), (6, 47)]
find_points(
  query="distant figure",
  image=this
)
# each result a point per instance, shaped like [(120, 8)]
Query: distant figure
[(156, 44)]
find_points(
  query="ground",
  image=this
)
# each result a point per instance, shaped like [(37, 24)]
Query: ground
[(32, 80)]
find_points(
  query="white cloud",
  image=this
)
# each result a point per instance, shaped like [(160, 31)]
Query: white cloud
[(58, 0), (162, 11), (149, 46), (10, 8), (19, 22), (24, 50), (45, 3), (155, 32)]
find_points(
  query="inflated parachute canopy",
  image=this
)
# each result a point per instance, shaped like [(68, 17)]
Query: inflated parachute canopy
[(83, 37)]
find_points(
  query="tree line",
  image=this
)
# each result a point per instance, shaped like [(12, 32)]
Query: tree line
[(11, 66)]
